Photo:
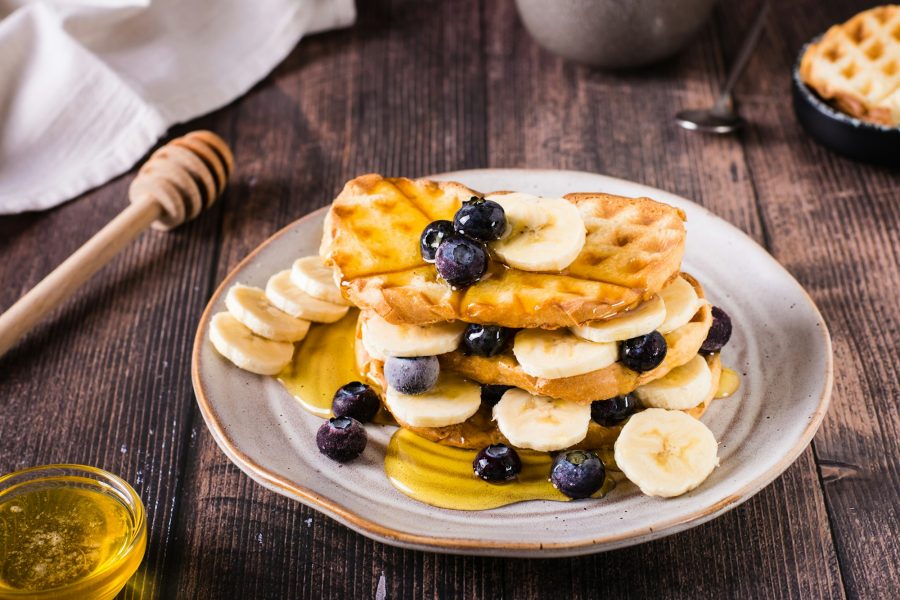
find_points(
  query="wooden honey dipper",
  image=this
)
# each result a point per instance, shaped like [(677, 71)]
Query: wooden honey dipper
[(176, 184)]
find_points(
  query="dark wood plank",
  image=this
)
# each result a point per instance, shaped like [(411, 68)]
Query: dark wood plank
[(103, 380), (833, 223)]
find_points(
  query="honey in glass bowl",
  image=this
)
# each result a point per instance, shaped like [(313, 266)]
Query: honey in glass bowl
[(68, 531)]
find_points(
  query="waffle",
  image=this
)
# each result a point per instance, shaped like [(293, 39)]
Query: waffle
[(856, 65), (633, 248), (614, 380)]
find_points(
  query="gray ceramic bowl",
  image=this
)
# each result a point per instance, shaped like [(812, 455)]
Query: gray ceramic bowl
[(614, 33)]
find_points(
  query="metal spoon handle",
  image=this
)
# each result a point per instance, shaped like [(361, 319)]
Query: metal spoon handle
[(744, 55)]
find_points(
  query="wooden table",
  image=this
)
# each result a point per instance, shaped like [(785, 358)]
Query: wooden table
[(423, 87)]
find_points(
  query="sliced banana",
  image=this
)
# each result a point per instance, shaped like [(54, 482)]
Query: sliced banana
[(452, 400), (641, 320), (389, 339), (540, 422), (312, 276), (282, 292), (250, 306), (233, 340), (543, 234), (559, 353), (370, 350), (682, 388), (666, 452), (681, 302)]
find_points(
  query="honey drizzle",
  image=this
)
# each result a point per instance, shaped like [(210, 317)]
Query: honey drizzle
[(729, 383), (442, 476), (323, 362)]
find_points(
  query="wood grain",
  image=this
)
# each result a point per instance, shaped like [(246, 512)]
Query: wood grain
[(60, 284), (834, 225), (102, 380), (420, 87)]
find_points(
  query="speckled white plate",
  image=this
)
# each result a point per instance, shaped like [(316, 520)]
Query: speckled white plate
[(780, 345)]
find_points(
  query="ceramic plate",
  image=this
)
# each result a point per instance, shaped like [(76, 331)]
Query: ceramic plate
[(780, 345)]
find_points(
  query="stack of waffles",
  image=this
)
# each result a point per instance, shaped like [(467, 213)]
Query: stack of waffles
[(582, 301)]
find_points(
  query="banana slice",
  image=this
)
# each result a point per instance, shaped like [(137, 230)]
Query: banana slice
[(250, 306), (640, 320), (281, 291), (312, 276), (452, 400), (540, 422), (370, 350), (681, 302), (682, 388), (233, 340), (389, 339), (666, 452), (543, 234), (559, 353)]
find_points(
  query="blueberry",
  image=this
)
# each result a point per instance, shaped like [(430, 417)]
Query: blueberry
[(644, 352), (491, 394), (486, 340), (614, 410), (356, 400), (481, 219), (497, 463), (412, 375), (577, 473), (432, 236), (341, 438), (719, 333), (460, 260)]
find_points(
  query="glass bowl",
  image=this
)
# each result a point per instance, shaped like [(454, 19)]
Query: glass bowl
[(72, 502)]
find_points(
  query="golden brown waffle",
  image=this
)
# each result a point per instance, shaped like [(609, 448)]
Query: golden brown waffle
[(614, 380), (857, 65), (634, 246)]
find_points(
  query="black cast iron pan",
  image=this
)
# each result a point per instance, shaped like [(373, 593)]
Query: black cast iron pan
[(852, 137)]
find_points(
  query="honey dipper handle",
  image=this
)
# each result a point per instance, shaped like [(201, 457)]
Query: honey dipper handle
[(78, 268)]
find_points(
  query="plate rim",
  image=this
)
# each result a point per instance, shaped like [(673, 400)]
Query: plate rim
[(380, 532)]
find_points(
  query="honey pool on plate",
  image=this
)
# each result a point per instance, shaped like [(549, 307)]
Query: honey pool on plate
[(67, 536), (442, 476), (432, 473), (729, 382), (323, 362)]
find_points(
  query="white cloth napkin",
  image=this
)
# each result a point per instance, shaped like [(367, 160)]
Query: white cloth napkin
[(88, 86)]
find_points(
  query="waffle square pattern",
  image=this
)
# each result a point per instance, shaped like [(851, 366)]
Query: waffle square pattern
[(856, 65)]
